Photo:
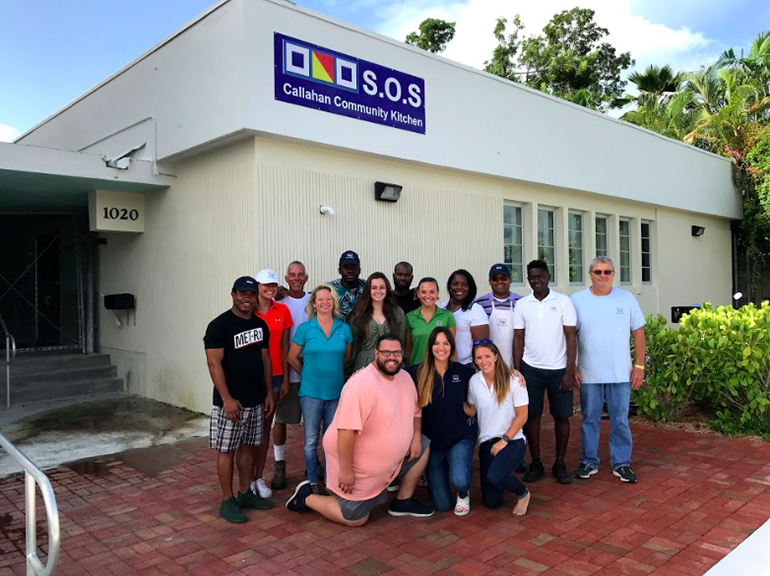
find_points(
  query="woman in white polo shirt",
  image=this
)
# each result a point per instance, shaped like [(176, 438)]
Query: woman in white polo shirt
[(500, 402), (472, 321)]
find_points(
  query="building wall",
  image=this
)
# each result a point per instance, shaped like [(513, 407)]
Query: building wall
[(198, 238), (255, 204), (215, 79)]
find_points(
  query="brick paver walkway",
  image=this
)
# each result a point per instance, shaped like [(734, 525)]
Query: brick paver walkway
[(154, 512)]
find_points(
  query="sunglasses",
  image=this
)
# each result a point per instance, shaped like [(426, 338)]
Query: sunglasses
[(600, 272), (482, 341)]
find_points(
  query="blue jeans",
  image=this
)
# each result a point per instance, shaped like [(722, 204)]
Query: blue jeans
[(313, 411), (497, 471), (618, 395), (447, 469)]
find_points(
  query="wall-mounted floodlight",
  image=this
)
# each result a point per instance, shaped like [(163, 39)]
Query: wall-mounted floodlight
[(327, 211), (698, 231), (385, 192)]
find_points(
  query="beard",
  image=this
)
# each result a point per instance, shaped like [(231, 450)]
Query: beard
[(388, 371)]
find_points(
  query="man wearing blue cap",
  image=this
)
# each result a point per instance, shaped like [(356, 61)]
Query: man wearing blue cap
[(238, 358), (349, 285), (499, 305)]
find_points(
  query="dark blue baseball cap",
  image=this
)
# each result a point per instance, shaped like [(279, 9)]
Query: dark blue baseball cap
[(245, 283), (499, 269), (349, 257)]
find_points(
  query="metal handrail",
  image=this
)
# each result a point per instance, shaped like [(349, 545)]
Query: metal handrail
[(10, 356), (32, 475)]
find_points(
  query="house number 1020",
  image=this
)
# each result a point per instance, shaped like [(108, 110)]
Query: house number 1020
[(120, 214)]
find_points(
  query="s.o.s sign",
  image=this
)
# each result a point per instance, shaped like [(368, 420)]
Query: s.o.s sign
[(317, 77)]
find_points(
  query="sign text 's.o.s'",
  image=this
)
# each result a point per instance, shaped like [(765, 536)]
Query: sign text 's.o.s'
[(316, 77)]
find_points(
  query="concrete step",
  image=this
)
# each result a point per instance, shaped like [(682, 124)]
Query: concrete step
[(39, 363), (66, 389), (29, 380)]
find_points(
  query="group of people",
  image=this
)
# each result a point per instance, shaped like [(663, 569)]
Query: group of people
[(398, 385)]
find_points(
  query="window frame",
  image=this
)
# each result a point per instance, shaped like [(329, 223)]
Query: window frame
[(606, 234), (541, 256), (646, 224), (519, 217), (581, 248), (629, 266)]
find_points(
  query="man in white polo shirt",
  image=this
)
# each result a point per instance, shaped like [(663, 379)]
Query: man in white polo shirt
[(544, 351)]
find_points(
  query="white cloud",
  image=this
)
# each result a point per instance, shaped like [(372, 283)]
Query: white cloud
[(648, 42), (8, 133)]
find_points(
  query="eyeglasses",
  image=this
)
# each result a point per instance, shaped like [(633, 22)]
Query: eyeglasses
[(389, 353), (482, 341), (600, 272)]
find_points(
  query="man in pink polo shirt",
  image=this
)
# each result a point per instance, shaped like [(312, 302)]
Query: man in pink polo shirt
[(374, 438)]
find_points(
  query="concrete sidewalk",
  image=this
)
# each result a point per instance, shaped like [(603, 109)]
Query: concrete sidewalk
[(154, 512)]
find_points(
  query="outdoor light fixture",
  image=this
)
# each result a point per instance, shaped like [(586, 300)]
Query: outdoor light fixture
[(326, 211), (385, 192), (698, 231)]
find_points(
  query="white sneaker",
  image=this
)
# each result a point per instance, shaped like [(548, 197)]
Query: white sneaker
[(463, 505), (260, 487)]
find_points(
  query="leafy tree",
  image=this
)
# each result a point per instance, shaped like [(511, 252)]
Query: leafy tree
[(433, 36), (570, 60), (503, 62), (655, 86)]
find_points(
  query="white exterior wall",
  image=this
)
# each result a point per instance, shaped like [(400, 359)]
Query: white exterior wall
[(198, 238), (215, 79), (255, 205)]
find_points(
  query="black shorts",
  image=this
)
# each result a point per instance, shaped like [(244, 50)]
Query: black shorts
[(538, 381)]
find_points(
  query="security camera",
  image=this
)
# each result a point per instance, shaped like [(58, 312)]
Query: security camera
[(327, 211)]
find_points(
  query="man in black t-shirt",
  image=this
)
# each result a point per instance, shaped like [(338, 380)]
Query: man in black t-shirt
[(403, 274), (238, 358)]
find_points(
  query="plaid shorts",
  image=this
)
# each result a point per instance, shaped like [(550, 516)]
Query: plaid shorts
[(226, 436)]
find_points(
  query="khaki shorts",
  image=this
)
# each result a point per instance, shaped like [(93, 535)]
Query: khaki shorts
[(288, 410)]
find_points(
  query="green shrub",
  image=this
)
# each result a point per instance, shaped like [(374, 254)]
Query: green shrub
[(719, 359)]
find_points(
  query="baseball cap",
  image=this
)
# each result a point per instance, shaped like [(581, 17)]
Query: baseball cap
[(245, 283), (349, 257), (267, 276), (499, 269)]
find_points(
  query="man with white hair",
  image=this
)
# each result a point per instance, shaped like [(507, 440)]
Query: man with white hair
[(606, 316)]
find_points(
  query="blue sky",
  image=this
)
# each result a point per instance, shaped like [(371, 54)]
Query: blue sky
[(51, 51)]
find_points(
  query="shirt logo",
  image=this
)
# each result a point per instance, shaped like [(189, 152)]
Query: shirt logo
[(553, 308), (247, 338), (619, 311), (455, 378), (439, 323)]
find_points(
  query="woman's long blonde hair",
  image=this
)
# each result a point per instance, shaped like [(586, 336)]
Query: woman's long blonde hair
[(310, 306), (426, 373), (502, 383)]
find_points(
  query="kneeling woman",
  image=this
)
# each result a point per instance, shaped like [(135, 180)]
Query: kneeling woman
[(442, 388), (501, 404)]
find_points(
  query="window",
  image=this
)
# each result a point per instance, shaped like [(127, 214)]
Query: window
[(646, 252), (602, 236), (513, 245), (546, 239), (575, 236), (625, 251)]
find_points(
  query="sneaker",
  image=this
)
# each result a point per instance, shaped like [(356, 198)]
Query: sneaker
[(536, 472), (409, 507), (279, 475), (297, 501), (259, 486), (254, 501), (394, 486), (463, 505), (625, 474), (584, 471), (230, 511), (522, 468), (559, 472)]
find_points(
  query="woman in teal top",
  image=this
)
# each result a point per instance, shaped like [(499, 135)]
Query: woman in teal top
[(319, 352), (421, 322)]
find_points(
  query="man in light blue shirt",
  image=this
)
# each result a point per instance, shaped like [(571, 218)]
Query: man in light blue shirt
[(606, 317)]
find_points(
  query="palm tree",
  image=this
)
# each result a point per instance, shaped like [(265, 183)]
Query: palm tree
[(655, 85)]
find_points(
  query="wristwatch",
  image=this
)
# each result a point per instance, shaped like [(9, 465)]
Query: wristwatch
[(505, 438)]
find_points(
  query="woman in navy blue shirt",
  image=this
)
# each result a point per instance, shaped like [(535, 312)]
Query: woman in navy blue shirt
[(442, 388)]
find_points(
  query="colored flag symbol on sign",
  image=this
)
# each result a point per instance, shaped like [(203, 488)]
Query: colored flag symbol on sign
[(323, 67)]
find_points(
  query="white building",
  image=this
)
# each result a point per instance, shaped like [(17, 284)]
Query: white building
[(232, 172)]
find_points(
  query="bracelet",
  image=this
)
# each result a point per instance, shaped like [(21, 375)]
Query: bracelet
[(640, 366)]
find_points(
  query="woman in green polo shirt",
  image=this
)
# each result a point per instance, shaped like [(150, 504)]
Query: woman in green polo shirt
[(421, 322)]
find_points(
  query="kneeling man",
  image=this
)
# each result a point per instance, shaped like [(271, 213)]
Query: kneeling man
[(375, 437)]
